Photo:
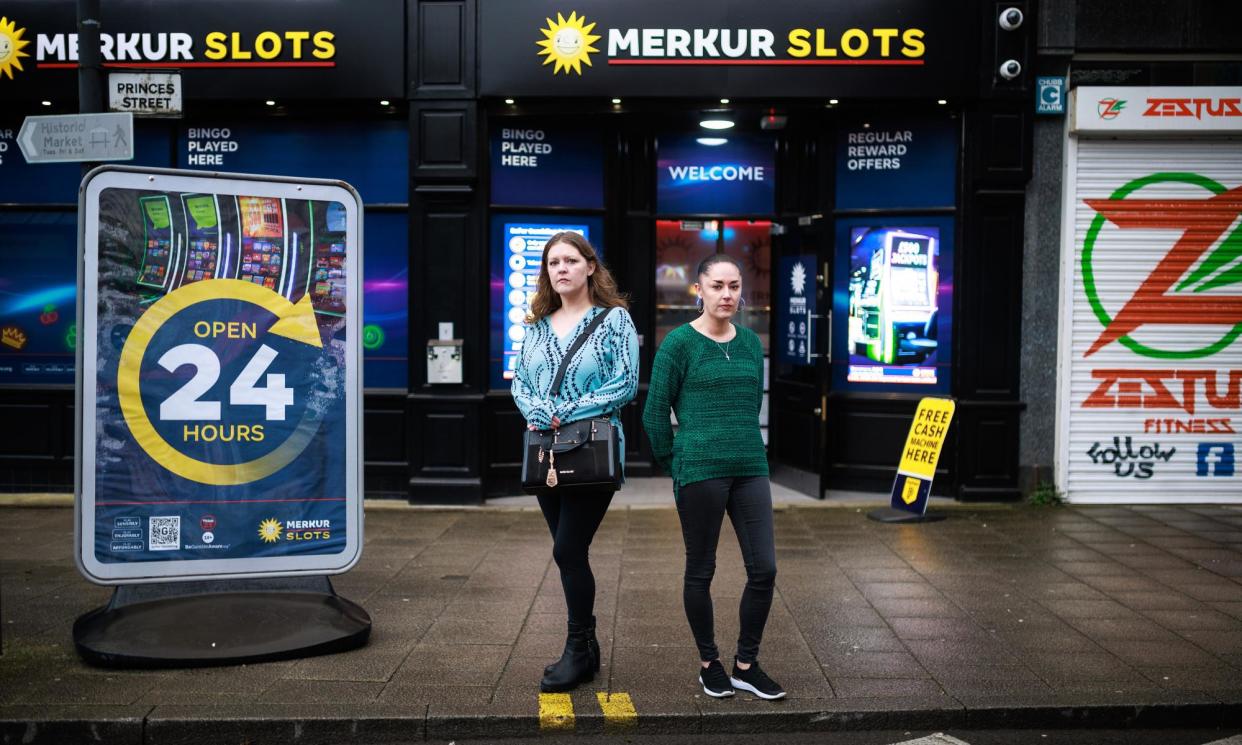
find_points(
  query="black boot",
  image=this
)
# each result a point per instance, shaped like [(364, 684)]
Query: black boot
[(592, 648), (575, 665)]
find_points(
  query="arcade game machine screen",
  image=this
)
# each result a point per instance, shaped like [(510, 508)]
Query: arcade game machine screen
[(263, 241), (157, 259), (203, 257), (894, 308), (327, 273)]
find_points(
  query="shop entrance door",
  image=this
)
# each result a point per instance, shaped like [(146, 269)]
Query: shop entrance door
[(799, 382)]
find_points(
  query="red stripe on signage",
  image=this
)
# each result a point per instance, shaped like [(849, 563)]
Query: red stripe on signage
[(764, 62), (179, 65), (216, 501)]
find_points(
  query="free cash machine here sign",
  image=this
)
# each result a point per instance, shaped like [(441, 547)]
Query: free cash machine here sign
[(219, 382), (928, 431)]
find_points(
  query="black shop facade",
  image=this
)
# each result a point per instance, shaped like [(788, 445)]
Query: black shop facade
[(865, 165), (854, 160)]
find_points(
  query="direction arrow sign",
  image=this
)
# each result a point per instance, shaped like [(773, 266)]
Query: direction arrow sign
[(77, 137)]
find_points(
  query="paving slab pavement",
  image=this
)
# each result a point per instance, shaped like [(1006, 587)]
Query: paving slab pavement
[(1000, 616)]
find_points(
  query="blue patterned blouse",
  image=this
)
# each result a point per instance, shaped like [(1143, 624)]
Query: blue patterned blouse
[(602, 377)]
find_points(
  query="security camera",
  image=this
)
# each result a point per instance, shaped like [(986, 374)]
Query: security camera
[(1010, 69), (1010, 19)]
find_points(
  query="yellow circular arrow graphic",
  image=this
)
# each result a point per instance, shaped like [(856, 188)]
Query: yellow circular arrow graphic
[(296, 322)]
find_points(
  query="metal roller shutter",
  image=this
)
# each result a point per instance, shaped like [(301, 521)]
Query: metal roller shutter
[(1150, 359)]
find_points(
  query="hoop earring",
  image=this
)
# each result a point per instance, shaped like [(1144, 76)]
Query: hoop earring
[(698, 303), (741, 303)]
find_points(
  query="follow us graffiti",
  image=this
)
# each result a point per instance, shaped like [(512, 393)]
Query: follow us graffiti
[(1127, 459)]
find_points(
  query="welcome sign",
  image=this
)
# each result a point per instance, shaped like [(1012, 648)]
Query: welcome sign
[(733, 175)]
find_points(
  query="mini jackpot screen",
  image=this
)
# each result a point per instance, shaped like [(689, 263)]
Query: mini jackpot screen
[(898, 303)]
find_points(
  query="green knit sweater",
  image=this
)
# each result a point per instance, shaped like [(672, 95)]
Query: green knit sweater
[(716, 400)]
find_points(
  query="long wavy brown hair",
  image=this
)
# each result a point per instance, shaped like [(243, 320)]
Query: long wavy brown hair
[(600, 284)]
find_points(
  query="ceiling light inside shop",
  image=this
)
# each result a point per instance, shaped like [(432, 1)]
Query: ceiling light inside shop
[(616, 100), (385, 102), (711, 141), (833, 102), (509, 101), (941, 101), (46, 103), (773, 121), (724, 100), (270, 102), (716, 124)]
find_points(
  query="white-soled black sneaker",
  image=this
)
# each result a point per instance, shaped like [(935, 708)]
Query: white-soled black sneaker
[(714, 680), (755, 680)]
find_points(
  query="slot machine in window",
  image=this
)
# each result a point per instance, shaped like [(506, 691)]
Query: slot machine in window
[(203, 256), (327, 274), (158, 239), (262, 259)]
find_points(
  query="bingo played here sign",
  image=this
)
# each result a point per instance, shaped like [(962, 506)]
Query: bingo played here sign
[(219, 380)]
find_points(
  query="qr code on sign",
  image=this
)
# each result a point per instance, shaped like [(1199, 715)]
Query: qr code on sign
[(164, 533)]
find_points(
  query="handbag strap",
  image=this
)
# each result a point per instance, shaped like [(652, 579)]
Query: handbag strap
[(573, 349)]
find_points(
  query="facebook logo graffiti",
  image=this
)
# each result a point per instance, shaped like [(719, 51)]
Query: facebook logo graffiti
[(1216, 457)]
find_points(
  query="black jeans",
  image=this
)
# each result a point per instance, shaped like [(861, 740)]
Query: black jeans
[(573, 519), (702, 506)]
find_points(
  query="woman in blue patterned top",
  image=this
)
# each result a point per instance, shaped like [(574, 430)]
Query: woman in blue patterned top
[(573, 288)]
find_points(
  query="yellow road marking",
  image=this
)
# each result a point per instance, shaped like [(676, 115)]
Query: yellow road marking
[(556, 711), (618, 709)]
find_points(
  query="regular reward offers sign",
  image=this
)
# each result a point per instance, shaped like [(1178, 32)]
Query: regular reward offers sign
[(218, 376)]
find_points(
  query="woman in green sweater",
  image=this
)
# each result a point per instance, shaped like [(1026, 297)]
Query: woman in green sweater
[(710, 373)]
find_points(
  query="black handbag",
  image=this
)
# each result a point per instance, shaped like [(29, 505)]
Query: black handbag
[(581, 454)]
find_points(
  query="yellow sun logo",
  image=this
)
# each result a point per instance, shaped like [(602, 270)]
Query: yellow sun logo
[(11, 43), (269, 530), (568, 43)]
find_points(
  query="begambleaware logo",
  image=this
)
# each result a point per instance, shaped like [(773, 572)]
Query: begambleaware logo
[(1204, 258), (1110, 108), (567, 42), (11, 44)]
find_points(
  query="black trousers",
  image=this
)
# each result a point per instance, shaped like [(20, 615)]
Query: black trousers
[(573, 519), (702, 507)]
